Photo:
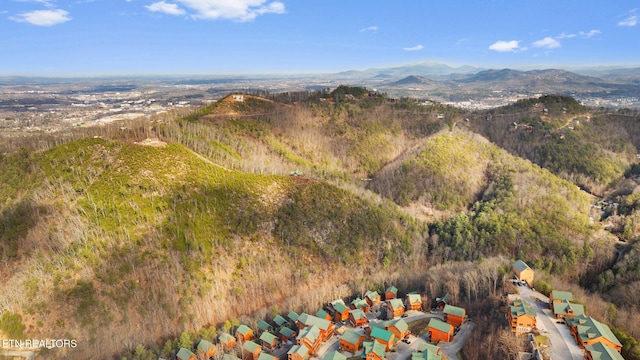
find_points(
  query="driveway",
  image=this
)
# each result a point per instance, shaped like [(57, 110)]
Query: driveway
[(563, 345), (451, 349)]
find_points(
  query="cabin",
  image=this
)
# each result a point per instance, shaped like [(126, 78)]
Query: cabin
[(373, 350), (383, 336), (398, 327), (310, 337), (292, 316), (341, 312), (413, 302), (357, 318), (185, 354), (521, 317), (588, 331), (251, 350), (523, 272), (395, 307), (323, 314), (351, 341), (238, 97), (332, 305), (244, 333), (372, 298), (442, 301), (298, 352), (206, 349), (439, 331), (454, 315), (360, 304), (265, 356), (326, 327), (559, 296), (334, 355), (280, 321), (565, 309), (230, 357), (600, 351), (227, 341), (264, 326), (287, 334), (268, 340), (427, 352), (391, 293)]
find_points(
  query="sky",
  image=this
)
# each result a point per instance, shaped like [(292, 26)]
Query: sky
[(148, 37)]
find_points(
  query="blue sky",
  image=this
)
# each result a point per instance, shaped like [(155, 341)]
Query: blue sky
[(111, 37)]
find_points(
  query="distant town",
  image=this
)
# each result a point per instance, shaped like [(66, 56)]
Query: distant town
[(50, 106)]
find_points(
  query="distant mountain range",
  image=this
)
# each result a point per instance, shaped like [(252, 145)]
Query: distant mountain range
[(447, 82)]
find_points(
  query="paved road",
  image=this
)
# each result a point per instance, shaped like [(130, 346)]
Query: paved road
[(451, 349), (563, 346)]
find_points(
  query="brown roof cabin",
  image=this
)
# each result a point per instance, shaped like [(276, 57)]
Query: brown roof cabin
[(398, 327), (298, 352), (227, 341), (372, 298), (357, 318), (244, 333), (268, 340), (454, 315), (395, 307), (206, 349), (439, 330), (360, 304), (391, 293), (185, 354), (442, 301), (287, 334), (351, 341), (251, 350), (414, 302), (326, 327)]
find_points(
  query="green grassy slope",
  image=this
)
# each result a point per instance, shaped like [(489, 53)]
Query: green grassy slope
[(590, 147), (104, 234)]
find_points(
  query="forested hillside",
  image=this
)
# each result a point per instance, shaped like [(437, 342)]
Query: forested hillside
[(260, 206)]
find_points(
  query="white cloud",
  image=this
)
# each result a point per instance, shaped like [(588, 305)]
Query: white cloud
[(505, 46), (414, 48), (547, 43), (370, 28), (44, 17), (630, 21), (43, 2), (567, 36), (589, 33), (163, 7), (240, 10)]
